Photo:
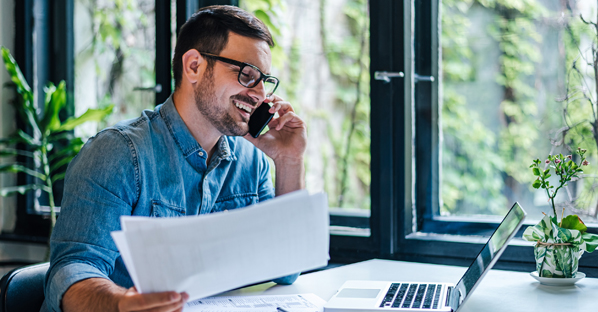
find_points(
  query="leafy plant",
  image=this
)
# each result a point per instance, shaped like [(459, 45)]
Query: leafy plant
[(44, 135), (559, 244), (564, 167)]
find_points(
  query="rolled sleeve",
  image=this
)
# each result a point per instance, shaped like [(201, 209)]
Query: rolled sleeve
[(100, 186), (64, 277), (286, 280)]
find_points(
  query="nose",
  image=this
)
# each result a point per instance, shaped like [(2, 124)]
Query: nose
[(259, 91)]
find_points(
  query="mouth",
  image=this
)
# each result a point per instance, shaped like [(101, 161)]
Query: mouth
[(243, 108)]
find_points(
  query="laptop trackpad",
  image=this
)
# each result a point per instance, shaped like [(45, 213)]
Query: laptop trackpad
[(358, 293)]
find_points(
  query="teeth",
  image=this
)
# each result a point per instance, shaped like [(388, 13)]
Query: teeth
[(243, 107)]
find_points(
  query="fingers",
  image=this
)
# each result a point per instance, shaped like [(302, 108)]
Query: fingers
[(155, 302), (279, 105), (289, 119)]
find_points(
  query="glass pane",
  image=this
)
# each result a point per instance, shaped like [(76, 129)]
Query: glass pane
[(114, 58), (516, 86), (322, 61)]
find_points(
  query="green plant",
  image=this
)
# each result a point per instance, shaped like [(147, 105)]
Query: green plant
[(559, 244), (49, 143), (563, 166)]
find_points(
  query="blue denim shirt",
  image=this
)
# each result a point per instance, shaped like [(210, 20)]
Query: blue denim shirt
[(149, 166)]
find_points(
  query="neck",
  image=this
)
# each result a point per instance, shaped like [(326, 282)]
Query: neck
[(201, 128)]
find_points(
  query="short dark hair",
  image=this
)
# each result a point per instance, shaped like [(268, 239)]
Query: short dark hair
[(207, 31)]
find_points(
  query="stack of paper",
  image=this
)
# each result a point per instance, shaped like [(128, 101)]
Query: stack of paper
[(271, 303), (208, 254)]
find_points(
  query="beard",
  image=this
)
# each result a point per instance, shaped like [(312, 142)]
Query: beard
[(219, 117)]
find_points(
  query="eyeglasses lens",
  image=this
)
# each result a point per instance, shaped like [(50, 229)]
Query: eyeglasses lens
[(249, 77)]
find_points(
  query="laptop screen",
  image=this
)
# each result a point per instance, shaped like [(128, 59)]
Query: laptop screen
[(488, 256)]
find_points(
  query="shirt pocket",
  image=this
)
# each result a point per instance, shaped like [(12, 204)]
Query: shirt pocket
[(235, 201), (163, 210)]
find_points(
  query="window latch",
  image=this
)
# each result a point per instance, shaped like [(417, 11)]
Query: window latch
[(157, 88), (385, 76), (417, 78)]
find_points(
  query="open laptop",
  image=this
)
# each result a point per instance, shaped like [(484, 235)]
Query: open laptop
[(415, 296)]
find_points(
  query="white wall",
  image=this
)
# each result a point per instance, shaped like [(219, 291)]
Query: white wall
[(10, 251)]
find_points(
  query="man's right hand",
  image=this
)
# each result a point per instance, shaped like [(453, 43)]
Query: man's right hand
[(168, 301), (99, 294)]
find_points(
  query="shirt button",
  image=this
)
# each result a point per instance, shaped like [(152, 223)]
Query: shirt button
[(200, 154)]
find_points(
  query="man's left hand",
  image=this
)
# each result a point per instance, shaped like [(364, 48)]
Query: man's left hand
[(287, 134)]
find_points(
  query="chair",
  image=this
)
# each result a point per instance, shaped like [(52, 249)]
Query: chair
[(22, 289)]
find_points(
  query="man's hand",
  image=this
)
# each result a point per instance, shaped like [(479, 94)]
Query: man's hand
[(99, 294), (287, 137), (169, 301), (285, 143)]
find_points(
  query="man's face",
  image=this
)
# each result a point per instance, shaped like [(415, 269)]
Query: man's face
[(219, 96)]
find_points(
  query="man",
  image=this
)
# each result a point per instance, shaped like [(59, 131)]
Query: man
[(186, 157)]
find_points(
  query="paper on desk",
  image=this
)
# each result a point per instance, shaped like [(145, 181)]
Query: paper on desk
[(208, 254), (290, 303)]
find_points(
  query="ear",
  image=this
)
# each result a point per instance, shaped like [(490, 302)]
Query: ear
[(191, 65)]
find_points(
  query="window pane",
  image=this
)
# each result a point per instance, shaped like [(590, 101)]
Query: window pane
[(322, 61), (510, 94), (114, 58)]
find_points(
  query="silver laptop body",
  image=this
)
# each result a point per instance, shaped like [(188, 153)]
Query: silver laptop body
[(416, 296)]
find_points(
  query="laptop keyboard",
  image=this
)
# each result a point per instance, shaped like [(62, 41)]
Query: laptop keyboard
[(415, 296)]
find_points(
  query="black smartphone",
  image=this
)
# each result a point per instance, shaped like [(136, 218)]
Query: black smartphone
[(259, 119)]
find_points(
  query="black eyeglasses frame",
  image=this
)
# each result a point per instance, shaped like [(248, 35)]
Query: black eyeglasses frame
[(241, 66)]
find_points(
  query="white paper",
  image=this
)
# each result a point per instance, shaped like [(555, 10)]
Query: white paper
[(208, 254), (290, 303)]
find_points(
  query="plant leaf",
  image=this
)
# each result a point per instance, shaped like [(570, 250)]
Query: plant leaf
[(536, 171), (537, 184), (21, 189), (73, 148), (573, 222), (15, 168), (58, 177), (14, 152), (16, 74), (65, 161), (55, 102), (89, 115)]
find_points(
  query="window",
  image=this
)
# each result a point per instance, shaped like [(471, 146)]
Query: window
[(322, 60), (496, 103)]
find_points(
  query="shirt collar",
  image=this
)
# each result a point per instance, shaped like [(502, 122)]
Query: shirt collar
[(183, 137)]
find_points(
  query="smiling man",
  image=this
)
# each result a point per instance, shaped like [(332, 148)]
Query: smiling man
[(191, 155)]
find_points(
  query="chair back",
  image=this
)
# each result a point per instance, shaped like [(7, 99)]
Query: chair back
[(22, 289)]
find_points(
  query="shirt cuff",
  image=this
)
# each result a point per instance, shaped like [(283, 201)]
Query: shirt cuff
[(286, 280), (64, 278)]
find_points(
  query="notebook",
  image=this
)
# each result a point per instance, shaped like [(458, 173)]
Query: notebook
[(357, 295)]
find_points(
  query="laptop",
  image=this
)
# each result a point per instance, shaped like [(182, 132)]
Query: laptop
[(378, 296)]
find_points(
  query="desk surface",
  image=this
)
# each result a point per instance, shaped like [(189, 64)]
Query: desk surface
[(491, 295)]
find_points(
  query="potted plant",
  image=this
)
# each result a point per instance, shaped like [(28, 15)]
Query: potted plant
[(559, 243), (47, 133)]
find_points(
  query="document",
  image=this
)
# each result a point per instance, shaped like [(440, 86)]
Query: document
[(208, 254), (276, 303)]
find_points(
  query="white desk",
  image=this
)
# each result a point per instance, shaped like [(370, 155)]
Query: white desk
[(498, 291)]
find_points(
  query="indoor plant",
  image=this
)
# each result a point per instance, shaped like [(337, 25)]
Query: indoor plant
[(559, 244), (49, 143)]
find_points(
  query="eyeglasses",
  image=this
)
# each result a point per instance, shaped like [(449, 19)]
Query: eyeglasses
[(249, 75)]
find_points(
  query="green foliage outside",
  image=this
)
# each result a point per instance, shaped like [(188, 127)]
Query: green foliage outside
[(484, 166), (348, 62)]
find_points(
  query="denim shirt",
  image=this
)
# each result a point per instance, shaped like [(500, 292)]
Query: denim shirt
[(149, 166)]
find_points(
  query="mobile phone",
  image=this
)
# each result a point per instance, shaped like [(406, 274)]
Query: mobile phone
[(259, 119)]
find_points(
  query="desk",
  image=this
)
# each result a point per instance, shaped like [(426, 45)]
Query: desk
[(491, 295)]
